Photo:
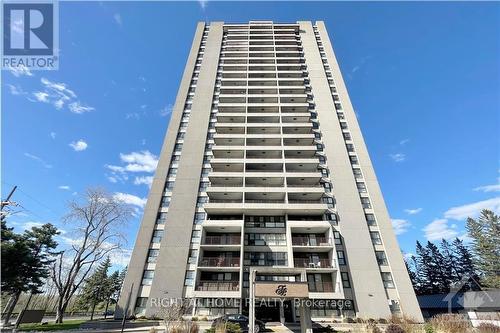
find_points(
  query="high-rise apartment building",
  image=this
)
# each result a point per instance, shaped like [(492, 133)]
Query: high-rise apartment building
[(264, 181)]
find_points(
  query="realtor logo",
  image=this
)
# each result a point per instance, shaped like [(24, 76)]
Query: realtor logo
[(29, 33)]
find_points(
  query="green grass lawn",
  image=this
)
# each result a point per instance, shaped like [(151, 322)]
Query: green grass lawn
[(66, 325)]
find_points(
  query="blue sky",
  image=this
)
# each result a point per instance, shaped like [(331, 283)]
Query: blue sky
[(424, 79)]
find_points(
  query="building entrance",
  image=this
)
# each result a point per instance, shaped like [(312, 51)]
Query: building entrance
[(267, 312)]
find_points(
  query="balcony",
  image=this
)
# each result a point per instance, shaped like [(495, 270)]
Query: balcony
[(219, 262), (321, 287), (222, 240), (217, 286), (313, 263), (310, 241)]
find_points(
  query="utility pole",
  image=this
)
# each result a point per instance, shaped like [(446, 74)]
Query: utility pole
[(7, 202)]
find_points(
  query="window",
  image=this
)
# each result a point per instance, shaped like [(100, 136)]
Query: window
[(180, 135), (347, 136), (201, 201), (165, 202), (343, 125), (381, 258), (375, 236), (264, 221), (354, 160), (178, 147), (338, 106), (387, 279), (193, 256), (324, 172), (140, 305), (203, 186), (327, 187), (329, 202), (341, 257), (370, 219), (350, 147), (357, 173), (199, 218), (172, 172), (147, 277), (346, 283), (196, 236), (340, 114), (152, 255), (169, 186), (176, 158), (157, 236), (189, 280), (365, 202), (160, 219), (264, 239), (332, 218), (337, 238), (361, 187), (265, 258)]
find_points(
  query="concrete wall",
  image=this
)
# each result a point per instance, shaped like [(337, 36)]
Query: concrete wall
[(142, 243)]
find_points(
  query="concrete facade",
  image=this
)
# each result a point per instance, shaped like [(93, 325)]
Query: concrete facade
[(264, 165)]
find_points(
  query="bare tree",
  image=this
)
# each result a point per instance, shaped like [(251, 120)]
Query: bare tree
[(97, 223)]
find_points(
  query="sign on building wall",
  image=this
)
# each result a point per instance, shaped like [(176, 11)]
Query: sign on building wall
[(280, 289)]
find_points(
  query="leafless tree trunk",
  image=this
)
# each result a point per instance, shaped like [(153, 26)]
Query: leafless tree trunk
[(97, 223), (9, 308)]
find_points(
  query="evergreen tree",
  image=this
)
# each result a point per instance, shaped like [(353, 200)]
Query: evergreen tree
[(485, 235), (424, 272), (26, 260), (95, 289), (465, 265), (450, 263), (440, 280)]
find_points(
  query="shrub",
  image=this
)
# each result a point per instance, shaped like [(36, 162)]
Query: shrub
[(204, 318), (152, 330), (373, 328), (382, 321), (348, 320), (450, 323), (429, 329), (360, 320), (394, 328), (488, 328)]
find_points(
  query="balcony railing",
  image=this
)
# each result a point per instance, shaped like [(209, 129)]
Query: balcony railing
[(310, 263), (218, 286), (307, 241), (304, 201), (220, 262), (222, 240), (321, 287)]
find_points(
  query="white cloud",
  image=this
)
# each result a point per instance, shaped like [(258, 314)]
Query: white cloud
[(41, 96), (64, 187), (79, 145), (413, 211), (147, 180), (136, 162), (31, 224), (78, 108), (120, 257), (399, 157), (15, 90), (404, 141), (489, 188), (39, 159), (167, 110), (53, 135), (439, 229), (56, 93), (400, 226), (130, 199), (143, 161), (118, 19), (473, 209), (20, 70)]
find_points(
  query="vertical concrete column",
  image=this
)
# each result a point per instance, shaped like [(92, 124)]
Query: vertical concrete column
[(171, 264), (305, 319)]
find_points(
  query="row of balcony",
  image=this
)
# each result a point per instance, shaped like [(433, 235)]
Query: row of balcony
[(235, 239), (234, 286), (262, 61), (234, 262), (212, 285)]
